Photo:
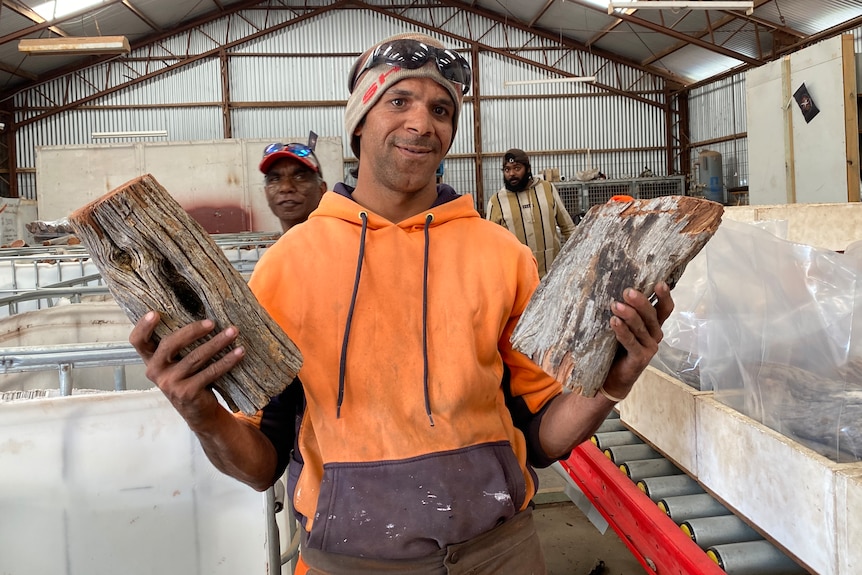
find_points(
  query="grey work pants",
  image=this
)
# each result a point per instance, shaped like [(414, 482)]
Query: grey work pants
[(512, 548)]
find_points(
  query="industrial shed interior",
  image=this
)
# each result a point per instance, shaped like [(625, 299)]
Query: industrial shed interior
[(738, 451)]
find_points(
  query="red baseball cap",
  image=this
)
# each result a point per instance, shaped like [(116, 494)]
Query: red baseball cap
[(299, 152)]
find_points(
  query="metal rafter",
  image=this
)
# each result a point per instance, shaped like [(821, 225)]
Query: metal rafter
[(541, 42), (543, 34), (540, 13), (155, 66), (731, 15), (809, 40), (764, 22), (136, 77), (144, 18), (17, 71), (47, 25), (690, 39), (491, 21), (149, 41), (31, 15)]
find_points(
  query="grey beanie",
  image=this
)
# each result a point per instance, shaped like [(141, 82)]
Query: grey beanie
[(371, 85)]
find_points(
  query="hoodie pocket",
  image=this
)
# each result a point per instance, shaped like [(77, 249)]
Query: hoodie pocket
[(412, 508)]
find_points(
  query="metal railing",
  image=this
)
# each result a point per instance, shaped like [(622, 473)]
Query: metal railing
[(41, 274), (65, 357)]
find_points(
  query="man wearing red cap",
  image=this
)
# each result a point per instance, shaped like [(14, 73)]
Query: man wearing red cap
[(293, 182), (413, 427)]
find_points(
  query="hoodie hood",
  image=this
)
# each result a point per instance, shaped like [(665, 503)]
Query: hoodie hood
[(449, 205)]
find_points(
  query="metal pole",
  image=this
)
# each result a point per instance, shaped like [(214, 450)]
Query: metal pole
[(120, 378), (637, 469), (753, 558), (272, 541), (657, 488), (621, 453), (685, 507), (66, 384), (611, 424), (709, 531), (613, 438)]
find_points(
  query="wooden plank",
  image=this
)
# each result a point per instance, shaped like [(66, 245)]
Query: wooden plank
[(851, 120), (789, 152), (635, 243), (154, 256)]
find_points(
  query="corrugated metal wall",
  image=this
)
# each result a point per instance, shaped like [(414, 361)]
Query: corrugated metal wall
[(717, 112), (304, 88)]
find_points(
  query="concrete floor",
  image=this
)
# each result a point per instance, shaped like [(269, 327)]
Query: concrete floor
[(572, 544)]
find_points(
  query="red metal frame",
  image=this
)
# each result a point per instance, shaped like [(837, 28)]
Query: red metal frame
[(653, 538)]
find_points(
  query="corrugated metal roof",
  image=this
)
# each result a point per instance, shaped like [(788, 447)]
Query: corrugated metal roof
[(641, 38)]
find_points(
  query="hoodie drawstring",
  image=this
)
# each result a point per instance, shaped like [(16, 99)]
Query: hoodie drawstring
[(428, 219), (342, 365)]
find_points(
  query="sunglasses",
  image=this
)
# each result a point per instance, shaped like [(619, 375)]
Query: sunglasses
[(298, 150), (412, 54)]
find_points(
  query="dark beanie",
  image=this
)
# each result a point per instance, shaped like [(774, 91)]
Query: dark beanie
[(516, 156)]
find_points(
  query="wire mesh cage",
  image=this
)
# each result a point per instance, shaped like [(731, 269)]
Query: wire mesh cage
[(570, 193), (648, 189), (599, 192)]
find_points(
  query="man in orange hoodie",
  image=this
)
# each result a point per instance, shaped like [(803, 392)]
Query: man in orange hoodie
[(413, 427)]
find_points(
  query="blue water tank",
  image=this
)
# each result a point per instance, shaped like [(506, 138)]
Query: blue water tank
[(710, 176)]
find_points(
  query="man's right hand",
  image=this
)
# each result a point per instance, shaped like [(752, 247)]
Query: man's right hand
[(185, 380)]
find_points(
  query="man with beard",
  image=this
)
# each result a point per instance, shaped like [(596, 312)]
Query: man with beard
[(293, 182), (531, 209)]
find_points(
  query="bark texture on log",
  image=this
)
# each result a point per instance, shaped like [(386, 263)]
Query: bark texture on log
[(154, 256), (636, 243), (820, 410)]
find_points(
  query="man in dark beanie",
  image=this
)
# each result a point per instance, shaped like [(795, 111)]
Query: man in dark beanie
[(530, 208), (413, 425)]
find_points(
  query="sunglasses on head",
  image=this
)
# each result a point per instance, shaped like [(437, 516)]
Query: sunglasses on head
[(299, 150), (412, 54)]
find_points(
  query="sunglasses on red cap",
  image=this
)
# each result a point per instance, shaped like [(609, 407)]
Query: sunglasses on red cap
[(413, 54), (301, 152)]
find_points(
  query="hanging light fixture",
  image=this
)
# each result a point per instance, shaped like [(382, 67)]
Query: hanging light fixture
[(75, 45), (549, 81), (688, 4)]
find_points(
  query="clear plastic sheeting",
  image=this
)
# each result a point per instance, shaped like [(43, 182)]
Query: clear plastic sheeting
[(116, 483), (773, 328)]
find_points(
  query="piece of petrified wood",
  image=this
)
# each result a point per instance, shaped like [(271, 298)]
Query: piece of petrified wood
[(820, 410), (154, 256), (631, 243)]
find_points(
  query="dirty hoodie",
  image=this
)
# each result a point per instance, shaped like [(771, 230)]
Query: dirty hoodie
[(415, 418)]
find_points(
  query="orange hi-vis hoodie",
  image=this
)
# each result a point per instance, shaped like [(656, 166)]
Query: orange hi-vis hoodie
[(419, 417)]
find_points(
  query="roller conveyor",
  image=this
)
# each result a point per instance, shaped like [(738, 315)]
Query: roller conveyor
[(666, 518)]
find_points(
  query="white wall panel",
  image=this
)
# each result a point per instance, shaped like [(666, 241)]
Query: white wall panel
[(117, 483)]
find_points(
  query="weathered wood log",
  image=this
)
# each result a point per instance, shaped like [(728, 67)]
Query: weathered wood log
[(154, 256), (632, 243), (820, 410)]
